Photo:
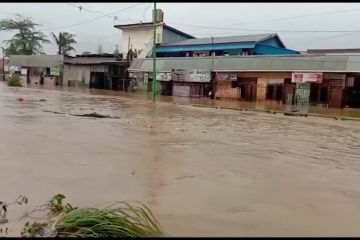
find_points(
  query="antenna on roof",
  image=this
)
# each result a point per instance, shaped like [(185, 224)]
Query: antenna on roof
[(80, 8)]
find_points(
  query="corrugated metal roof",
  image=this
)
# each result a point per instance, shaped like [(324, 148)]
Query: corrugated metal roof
[(90, 60), (335, 50), (36, 60), (254, 63), (231, 39), (204, 47)]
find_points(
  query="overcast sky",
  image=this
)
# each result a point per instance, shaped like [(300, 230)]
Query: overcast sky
[(296, 23)]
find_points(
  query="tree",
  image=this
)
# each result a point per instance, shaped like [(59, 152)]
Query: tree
[(27, 40), (64, 41), (99, 51)]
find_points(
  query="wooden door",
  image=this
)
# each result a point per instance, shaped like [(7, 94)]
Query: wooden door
[(289, 90), (336, 95)]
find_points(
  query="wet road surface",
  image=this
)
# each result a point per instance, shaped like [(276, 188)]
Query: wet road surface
[(204, 172)]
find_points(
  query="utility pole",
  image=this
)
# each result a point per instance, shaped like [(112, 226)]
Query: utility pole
[(212, 74), (154, 89), (212, 53), (3, 67)]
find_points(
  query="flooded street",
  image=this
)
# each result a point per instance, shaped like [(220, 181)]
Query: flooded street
[(203, 172)]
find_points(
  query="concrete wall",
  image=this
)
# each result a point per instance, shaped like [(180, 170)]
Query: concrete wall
[(139, 37), (78, 73)]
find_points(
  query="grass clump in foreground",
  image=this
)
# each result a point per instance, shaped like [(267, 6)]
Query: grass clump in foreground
[(118, 220), (122, 220), (14, 81)]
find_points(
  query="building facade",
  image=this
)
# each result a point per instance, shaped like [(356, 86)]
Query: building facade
[(325, 80), (100, 71)]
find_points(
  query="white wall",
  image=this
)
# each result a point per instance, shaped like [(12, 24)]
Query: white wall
[(138, 38)]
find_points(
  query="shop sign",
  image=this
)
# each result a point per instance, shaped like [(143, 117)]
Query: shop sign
[(226, 76), (163, 76), (199, 75), (15, 68), (275, 81), (306, 77), (55, 71), (23, 71)]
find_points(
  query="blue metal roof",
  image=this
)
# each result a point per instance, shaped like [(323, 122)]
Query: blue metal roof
[(205, 47), (269, 50)]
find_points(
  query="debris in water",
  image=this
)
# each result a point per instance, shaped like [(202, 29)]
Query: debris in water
[(94, 114), (150, 126), (42, 100), (20, 99), (132, 172), (204, 131), (295, 114)]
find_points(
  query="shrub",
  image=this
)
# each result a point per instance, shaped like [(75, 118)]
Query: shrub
[(14, 81)]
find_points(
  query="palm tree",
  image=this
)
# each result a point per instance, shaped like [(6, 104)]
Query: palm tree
[(28, 41), (64, 41)]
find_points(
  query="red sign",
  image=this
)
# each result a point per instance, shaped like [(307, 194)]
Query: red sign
[(307, 77)]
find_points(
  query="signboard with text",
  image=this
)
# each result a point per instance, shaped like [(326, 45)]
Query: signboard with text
[(55, 71), (306, 77), (190, 75), (163, 76)]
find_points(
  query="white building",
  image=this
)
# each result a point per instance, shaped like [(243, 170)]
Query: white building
[(139, 36)]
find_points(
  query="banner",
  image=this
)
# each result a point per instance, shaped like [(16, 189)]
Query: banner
[(200, 76), (307, 77), (163, 76), (55, 71), (23, 71)]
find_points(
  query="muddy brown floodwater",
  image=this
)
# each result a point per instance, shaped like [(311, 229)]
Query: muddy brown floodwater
[(204, 172)]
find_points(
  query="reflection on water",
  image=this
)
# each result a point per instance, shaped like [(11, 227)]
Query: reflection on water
[(204, 172)]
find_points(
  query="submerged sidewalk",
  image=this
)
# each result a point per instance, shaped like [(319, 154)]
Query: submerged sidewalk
[(264, 106)]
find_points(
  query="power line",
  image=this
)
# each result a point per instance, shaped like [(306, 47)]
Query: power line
[(116, 18), (94, 19), (269, 30), (299, 16)]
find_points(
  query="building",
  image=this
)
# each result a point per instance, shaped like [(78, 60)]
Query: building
[(46, 70), (186, 82), (139, 37), (258, 44), (326, 80), (101, 71)]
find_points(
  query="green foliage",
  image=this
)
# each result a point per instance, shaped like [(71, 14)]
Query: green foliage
[(14, 81), (116, 221), (64, 41), (27, 40), (34, 229)]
